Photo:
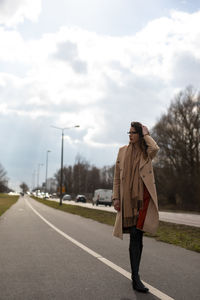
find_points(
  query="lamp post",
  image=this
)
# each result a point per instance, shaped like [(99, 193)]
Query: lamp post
[(33, 179), (38, 174), (48, 151), (62, 146)]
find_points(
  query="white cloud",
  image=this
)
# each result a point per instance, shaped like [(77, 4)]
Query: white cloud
[(102, 82), (13, 12), (74, 76)]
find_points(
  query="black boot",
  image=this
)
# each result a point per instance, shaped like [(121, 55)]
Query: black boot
[(138, 285), (135, 251)]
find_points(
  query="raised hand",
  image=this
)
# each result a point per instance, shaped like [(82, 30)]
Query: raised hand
[(145, 130)]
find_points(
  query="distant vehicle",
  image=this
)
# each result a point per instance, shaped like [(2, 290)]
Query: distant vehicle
[(102, 196), (46, 195), (67, 197), (14, 193), (54, 195), (81, 198)]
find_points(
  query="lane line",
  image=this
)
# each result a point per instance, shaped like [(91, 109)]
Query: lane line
[(107, 262)]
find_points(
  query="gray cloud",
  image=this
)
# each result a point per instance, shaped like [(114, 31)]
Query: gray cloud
[(186, 70), (68, 52)]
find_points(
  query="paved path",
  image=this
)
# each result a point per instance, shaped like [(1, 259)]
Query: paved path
[(178, 218), (49, 254)]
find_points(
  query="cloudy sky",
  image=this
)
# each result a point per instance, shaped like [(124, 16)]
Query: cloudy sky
[(97, 63)]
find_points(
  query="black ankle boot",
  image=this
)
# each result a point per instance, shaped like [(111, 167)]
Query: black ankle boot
[(138, 285)]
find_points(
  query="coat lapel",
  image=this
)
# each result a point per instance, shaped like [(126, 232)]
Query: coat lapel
[(142, 162)]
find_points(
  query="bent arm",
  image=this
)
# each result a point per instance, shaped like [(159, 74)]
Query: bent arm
[(152, 146)]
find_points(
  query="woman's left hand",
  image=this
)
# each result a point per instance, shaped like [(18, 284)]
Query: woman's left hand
[(145, 130)]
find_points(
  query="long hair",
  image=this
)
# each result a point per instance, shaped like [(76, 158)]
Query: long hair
[(138, 128)]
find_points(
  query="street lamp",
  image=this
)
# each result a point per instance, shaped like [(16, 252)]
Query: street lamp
[(33, 179), (38, 174), (48, 151), (61, 169)]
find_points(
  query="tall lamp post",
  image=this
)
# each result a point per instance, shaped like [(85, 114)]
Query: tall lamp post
[(48, 151), (38, 174), (33, 179), (61, 168)]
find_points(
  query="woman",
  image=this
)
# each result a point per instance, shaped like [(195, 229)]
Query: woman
[(134, 195)]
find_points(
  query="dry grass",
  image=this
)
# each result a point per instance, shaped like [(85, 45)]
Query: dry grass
[(6, 202)]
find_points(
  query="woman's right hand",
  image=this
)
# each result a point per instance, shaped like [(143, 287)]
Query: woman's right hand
[(116, 204)]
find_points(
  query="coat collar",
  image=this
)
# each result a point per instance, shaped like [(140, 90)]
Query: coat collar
[(142, 160)]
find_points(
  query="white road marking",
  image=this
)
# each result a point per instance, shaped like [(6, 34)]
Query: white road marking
[(107, 262)]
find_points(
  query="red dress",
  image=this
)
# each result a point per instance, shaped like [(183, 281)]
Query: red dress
[(143, 211)]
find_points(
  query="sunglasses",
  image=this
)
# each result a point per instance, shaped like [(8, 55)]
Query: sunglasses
[(132, 132)]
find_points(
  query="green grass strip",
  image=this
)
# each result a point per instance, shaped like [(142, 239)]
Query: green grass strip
[(6, 201), (101, 216), (187, 237)]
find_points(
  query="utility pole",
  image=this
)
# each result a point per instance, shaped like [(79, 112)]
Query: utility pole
[(61, 167), (48, 151)]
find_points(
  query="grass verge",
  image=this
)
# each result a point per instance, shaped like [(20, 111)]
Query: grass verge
[(101, 216), (181, 235), (6, 202), (187, 237)]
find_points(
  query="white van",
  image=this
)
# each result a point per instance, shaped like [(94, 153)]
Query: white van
[(102, 196)]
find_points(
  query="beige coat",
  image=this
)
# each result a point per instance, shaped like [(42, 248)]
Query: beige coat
[(146, 172)]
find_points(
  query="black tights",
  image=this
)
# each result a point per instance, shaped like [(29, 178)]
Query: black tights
[(135, 249)]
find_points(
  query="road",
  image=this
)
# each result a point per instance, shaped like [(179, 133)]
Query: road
[(178, 218), (49, 254)]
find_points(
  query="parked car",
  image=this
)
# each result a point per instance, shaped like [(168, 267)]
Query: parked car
[(102, 196), (67, 197), (46, 195), (54, 195), (81, 198)]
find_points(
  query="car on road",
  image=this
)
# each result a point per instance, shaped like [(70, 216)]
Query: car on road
[(102, 196), (81, 198), (54, 195), (67, 197)]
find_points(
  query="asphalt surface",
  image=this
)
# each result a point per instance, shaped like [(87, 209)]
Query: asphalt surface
[(36, 262), (178, 218)]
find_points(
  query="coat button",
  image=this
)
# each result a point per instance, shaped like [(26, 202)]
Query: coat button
[(143, 176)]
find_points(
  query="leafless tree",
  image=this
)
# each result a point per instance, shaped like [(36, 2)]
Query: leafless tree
[(178, 164), (80, 175), (3, 180), (83, 178), (24, 187), (107, 173)]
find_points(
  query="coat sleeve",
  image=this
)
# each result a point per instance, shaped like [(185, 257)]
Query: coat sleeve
[(116, 181), (152, 146)]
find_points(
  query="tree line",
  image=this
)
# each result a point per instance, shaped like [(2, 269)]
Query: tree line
[(3, 180), (83, 178), (177, 166)]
